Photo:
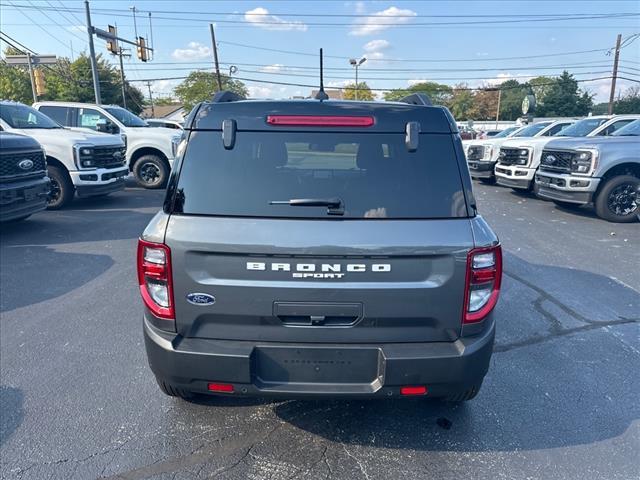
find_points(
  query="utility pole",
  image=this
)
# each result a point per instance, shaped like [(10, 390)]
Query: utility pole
[(33, 83), (356, 63), (92, 54), (121, 53), (614, 76), (498, 109), (153, 113), (215, 57)]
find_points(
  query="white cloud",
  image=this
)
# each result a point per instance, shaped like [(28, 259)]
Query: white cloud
[(382, 20), (504, 76), (194, 51), (258, 91), (339, 83), (260, 17), (376, 45), (414, 81), (164, 88), (275, 68), (482, 54)]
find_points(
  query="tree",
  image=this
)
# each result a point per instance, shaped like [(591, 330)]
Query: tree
[(200, 86), (439, 93), (565, 99), (630, 102), (541, 86), (461, 102), (485, 104), (513, 92), (364, 92)]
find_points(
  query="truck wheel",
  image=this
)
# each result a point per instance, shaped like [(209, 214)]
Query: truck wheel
[(62, 189), (151, 171), (465, 396), (616, 200), (172, 391)]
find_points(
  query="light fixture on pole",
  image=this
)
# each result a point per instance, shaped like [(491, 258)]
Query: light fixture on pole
[(356, 63)]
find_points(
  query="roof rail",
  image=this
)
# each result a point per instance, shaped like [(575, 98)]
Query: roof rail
[(226, 96), (417, 99)]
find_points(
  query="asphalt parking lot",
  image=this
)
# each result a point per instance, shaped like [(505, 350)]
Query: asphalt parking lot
[(78, 400)]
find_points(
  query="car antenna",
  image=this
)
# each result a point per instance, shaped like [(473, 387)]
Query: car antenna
[(321, 95)]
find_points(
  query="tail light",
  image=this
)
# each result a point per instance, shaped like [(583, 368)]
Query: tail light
[(155, 280), (484, 275)]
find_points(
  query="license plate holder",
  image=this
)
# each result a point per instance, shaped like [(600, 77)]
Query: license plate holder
[(321, 365)]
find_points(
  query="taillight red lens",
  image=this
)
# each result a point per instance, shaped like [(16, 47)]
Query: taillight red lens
[(320, 121), (413, 390), (220, 387), (155, 279), (484, 276)]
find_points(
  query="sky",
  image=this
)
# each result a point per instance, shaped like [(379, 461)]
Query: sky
[(456, 41)]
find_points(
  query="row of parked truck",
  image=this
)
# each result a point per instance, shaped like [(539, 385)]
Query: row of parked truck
[(54, 151), (572, 162)]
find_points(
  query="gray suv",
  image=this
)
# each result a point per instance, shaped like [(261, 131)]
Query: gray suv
[(319, 248)]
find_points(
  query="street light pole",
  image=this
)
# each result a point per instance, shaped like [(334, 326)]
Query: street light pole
[(356, 63)]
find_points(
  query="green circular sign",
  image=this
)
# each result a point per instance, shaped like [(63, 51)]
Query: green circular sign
[(528, 104)]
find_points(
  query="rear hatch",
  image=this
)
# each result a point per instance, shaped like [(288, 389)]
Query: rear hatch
[(378, 256)]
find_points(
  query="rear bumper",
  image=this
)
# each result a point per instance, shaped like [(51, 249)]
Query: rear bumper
[(20, 199), (345, 370), (479, 169)]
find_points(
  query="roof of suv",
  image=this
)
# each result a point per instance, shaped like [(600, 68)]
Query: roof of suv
[(389, 117), (73, 104)]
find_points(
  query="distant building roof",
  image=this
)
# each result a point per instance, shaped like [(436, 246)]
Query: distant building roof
[(333, 94), (160, 111)]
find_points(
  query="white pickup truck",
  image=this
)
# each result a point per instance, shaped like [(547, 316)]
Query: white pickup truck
[(519, 158), (150, 151), (78, 161)]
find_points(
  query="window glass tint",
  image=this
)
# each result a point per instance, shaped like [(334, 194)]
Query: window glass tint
[(582, 128), (89, 118), (372, 174), (555, 129), (531, 130), (614, 127), (22, 116), (506, 132), (632, 130), (59, 114), (127, 118)]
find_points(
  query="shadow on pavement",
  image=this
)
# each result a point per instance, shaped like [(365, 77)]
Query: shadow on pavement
[(11, 400), (57, 272)]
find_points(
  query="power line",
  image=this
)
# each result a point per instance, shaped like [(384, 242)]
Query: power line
[(42, 28), (61, 26)]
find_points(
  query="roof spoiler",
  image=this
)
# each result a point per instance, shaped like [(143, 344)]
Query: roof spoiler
[(226, 96), (417, 99)]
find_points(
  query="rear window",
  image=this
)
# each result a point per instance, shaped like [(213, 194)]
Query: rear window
[(374, 175)]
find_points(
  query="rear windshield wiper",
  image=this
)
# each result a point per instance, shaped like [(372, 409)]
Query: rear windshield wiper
[(335, 206)]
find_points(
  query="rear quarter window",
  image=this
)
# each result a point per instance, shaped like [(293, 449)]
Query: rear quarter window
[(373, 174)]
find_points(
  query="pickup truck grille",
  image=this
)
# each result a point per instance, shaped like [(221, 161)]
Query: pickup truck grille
[(12, 165), (475, 152), (109, 157), (512, 156), (556, 161)]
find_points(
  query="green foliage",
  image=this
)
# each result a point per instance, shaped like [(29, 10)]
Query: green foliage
[(511, 102), (630, 101), (69, 81), (364, 92), (461, 102), (439, 93), (565, 99), (200, 86)]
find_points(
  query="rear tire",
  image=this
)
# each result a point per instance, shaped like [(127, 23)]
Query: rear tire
[(616, 200), (172, 391), (465, 396), (151, 172), (62, 189)]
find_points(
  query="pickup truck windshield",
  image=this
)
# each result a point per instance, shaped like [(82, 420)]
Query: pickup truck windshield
[(582, 128), (364, 175), (127, 118), (506, 132), (531, 130), (630, 130), (22, 116)]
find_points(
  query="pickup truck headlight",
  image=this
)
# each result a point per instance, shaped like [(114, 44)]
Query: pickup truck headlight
[(523, 157), (83, 156), (175, 141), (583, 162), (488, 151)]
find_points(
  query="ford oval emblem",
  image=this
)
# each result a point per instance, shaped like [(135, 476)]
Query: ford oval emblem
[(25, 164), (201, 299)]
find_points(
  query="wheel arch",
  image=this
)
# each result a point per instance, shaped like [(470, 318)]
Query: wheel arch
[(142, 151), (624, 168), (52, 161)]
